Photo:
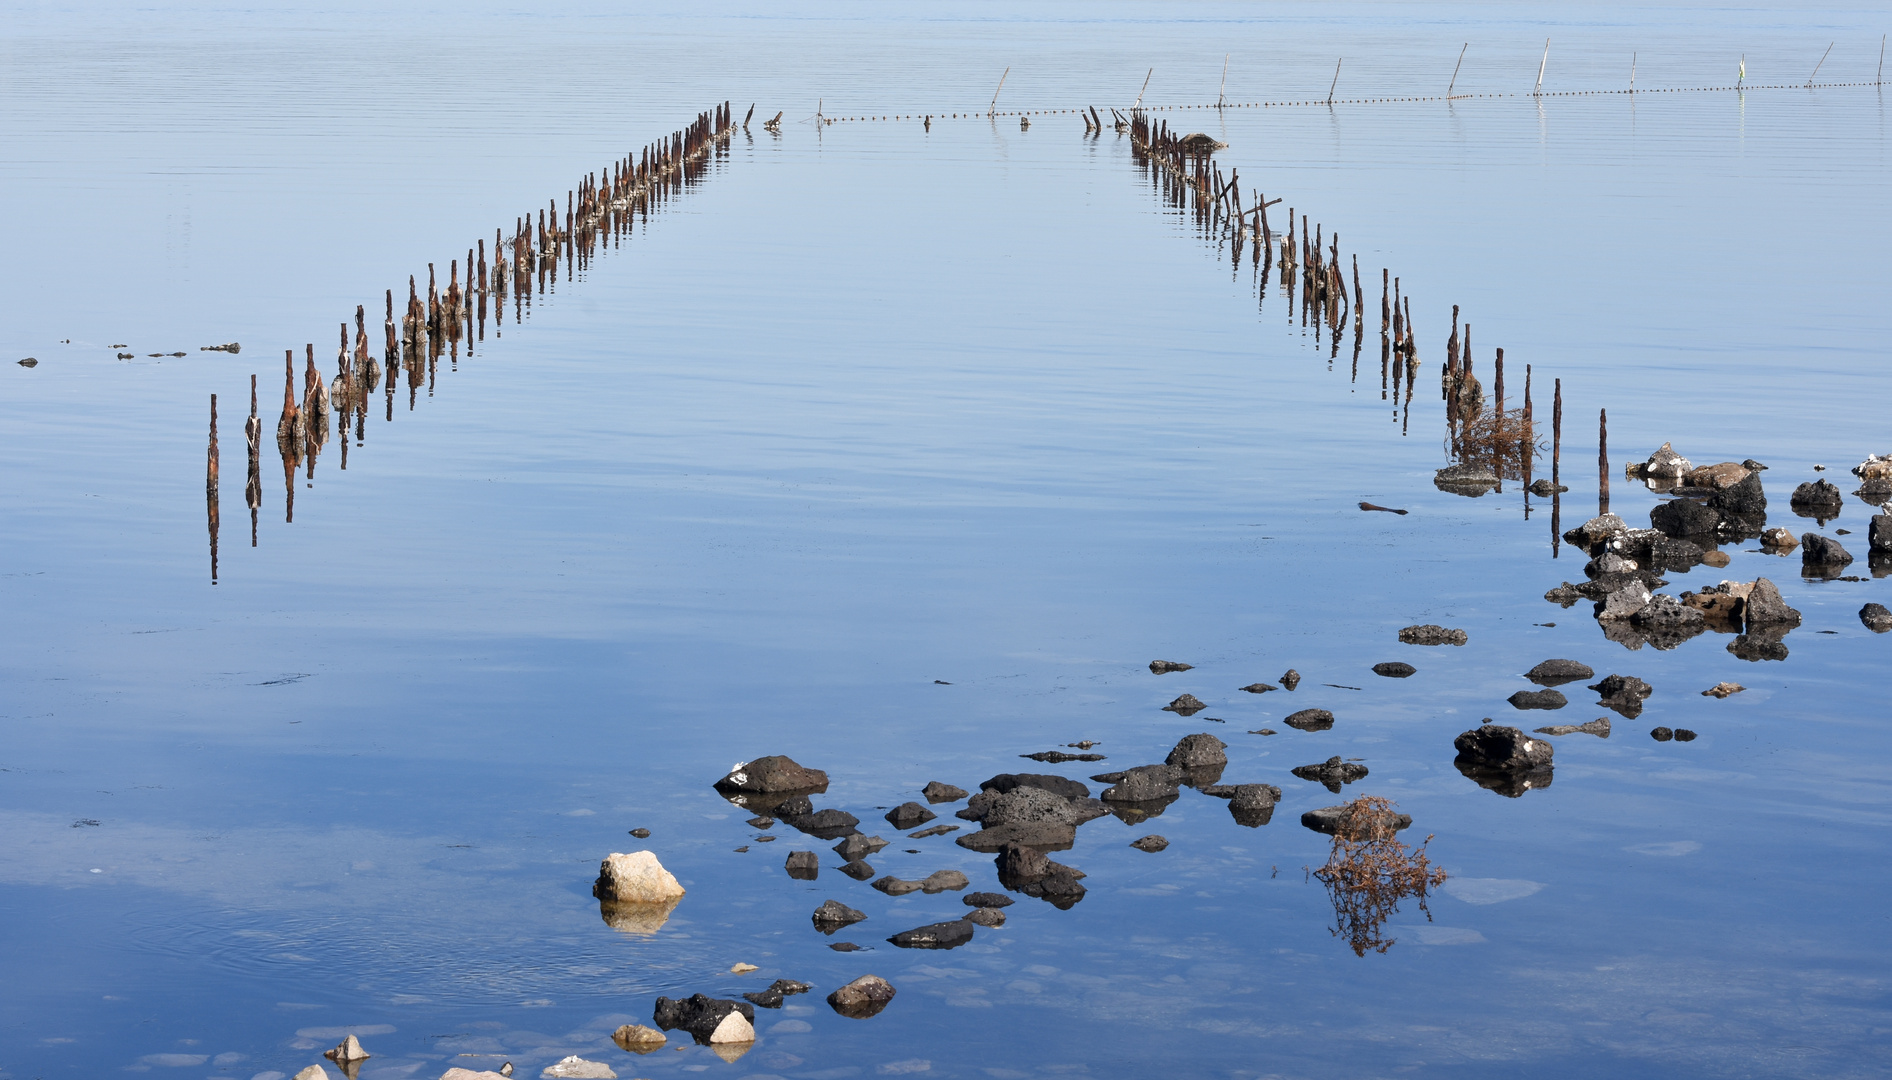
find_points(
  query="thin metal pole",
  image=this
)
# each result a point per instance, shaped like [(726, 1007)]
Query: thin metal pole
[(1455, 67)]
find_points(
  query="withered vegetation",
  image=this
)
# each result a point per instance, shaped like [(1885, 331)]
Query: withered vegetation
[(1506, 442), (1369, 872)]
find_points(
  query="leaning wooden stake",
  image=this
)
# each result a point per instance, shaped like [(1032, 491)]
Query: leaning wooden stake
[(1603, 461)]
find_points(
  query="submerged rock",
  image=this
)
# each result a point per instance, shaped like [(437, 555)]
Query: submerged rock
[(803, 865), (938, 881), (1394, 669), (1145, 783), (636, 878), (1545, 489), (1310, 720), (986, 900), (1558, 672), (1779, 539), (1060, 756), (1723, 690), (909, 815), (638, 1039), (1185, 705), (937, 830), (1164, 667), (1600, 727), (987, 917), (829, 824), (577, 1068), (1151, 843), (937, 792), (857, 847), (1431, 634), (1057, 785), (1820, 499), (1259, 688), (1716, 477), (347, 1052), (832, 915), (862, 998), (859, 869), (1251, 805), (1329, 819), (943, 935), (1876, 618), (1538, 699), (1291, 680)]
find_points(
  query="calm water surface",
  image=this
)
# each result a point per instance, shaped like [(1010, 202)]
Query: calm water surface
[(903, 453)]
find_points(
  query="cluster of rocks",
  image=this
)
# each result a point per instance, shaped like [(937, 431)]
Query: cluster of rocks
[(1503, 759)]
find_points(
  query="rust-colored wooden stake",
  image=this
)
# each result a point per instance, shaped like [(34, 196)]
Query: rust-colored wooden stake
[(1603, 461)]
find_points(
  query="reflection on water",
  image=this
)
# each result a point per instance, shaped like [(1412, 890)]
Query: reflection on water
[(1368, 872)]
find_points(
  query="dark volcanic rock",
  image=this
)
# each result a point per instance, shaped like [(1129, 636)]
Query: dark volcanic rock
[(1879, 532), (761, 821), (1310, 720), (938, 881), (1682, 734), (862, 998), (1760, 643), (1045, 835), (1538, 699), (1623, 693), (1744, 499), (845, 946), (803, 865), (1558, 672), (1145, 783), (1151, 843), (1565, 594), (1820, 500), (1197, 752), (1817, 550), (1431, 634), (1511, 783), (1056, 757), (1394, 669), (1328, 819), (1765, 607), (909, 815), (937, 792), (1596, 530), (833, 915), (859, 870), (772, 775), (985, 917), (1185, 705), (1333, 772), (1056, 785), (858, 847), (1259, 688), (1496, 746), (1023, 805), (1251, 805), (1684, 517), (771, 998), (1163, 667), (986, 900), (1292, 679), (698, 1014), (1661, 734), (827, 824), (1876, 618), (1664, 612)]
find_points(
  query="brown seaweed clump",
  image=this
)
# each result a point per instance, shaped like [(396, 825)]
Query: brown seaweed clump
[(1369, 872)]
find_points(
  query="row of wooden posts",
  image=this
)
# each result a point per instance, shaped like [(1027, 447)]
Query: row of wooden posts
[(598, 212), (1183, 168)]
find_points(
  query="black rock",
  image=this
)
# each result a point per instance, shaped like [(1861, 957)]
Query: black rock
[(1761, 643), (1333, 772), (1198, 752), (1879, 532), (1558, 672), (1056, 785), (1259, 688), (1055, 757), (1394, 669), (765, 999), (1764, 607), (1684, 517), (1310, 720), (1431, 634), (1292, 679), (909, 815), (1545, 489), (1682, 734), (1876, 618), (1251, 805), (1538, 699), (803, 865), (859, 870), (827, 824), (987, 900), (1661, 734), (761, 822), (1185, 705), (698, 1014), (857, 846), (1510, 783), (1817, 550), (1150, 843), (985, 917), (1664, 612), (1623, 693), (943, 935), (833, 915), (1820, 500), (1043, 835), (937, 792), (845, 946), (1162, 667), (1565, 594), (771, 998), (1497, 746)]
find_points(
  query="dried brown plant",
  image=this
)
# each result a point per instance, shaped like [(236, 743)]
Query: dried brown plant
[(1369, 872), (1504, 441)]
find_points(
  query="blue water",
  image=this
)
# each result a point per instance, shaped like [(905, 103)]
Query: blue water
[(872, 406)]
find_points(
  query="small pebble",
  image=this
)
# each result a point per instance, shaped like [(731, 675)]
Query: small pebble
[(845, 946), (1149, 843), (757, 822), (643, 834), (1682, 734), (1662, 734), (1263, 731)]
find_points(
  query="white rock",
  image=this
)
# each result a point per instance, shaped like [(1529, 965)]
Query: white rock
[(469, 1074), (637, 878), (577, 1067), (313, 1072), (735, 1028), (349, 1050)]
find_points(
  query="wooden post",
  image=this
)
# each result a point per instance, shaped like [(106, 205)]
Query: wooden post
[(1602, 462), (1497, 385), (1556, 432)]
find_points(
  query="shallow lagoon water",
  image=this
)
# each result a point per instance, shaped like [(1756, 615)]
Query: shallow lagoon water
[(872, 407)]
